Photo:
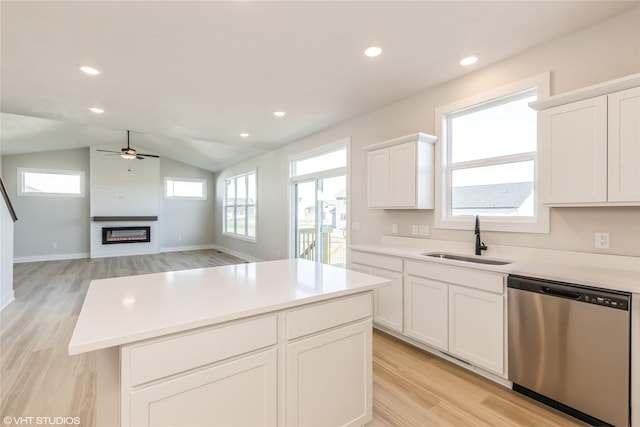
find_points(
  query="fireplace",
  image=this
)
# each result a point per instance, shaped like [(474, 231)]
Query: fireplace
[(115, 235)]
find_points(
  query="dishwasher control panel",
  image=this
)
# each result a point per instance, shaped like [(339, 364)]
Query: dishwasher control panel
[(607, 301)]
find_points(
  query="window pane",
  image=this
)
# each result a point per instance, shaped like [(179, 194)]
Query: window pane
[(252, 193), (230, 223), (241, 221), (230, 192), (251, 221), (241, 190), (332, 160), (499, 190), (492, 131), (185, 188), (34, 182)]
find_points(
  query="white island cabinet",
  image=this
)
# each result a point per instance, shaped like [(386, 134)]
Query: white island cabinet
[(274, 343)]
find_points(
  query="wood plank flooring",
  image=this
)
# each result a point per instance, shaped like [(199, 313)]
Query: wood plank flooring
[(39, 379)]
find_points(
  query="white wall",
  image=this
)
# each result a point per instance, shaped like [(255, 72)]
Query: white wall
[(48, 220), (602, 52), (6, 253), (66, 221)]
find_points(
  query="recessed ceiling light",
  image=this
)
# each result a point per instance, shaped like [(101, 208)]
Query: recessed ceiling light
[(244, 135), (279, 113), (96, 110), (469, 60), (373, 51), (90, 70)]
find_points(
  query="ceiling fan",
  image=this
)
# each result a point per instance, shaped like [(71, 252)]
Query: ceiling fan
[(129, 153)]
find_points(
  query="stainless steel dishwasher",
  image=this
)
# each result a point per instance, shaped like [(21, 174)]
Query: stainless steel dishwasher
[(569, 347)]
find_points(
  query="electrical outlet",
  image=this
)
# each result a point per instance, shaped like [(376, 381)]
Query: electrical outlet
[(424, 230), (602, 240), (394, 228), (355, 226), (414, 230)]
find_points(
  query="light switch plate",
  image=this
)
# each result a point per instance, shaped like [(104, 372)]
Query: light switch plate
[(424, 230)]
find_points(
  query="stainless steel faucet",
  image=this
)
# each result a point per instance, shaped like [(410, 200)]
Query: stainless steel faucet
[(480, 246)]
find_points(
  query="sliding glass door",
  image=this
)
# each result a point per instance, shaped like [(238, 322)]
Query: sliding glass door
[(319, 199)]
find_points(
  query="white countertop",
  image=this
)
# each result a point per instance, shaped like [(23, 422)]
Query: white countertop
[(621, 273), (127, 309)]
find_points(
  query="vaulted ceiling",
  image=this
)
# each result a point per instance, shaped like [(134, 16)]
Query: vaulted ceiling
[(189, 77)]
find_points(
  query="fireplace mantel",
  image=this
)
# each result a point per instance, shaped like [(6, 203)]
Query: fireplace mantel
[(123, 218)]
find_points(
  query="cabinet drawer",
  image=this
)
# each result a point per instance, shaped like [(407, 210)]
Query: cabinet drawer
[(378, 261), (327, 315), (181, 352), (483, 280)]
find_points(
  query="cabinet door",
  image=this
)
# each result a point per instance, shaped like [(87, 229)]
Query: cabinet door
[(476, 327), (624, 146), (342, 355), (387, 301), (378, 178), (574, 152), (242, 392), (426, 311), (402, 173)]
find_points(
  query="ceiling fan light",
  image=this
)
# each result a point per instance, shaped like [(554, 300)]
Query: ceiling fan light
[(128, 156)]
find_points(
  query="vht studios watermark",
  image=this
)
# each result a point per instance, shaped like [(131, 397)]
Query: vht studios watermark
[(40, 421)]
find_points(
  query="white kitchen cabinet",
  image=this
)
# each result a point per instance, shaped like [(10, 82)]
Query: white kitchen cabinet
[(240, 392), (458, 310), (590, 145), (337, 354), (426, 309), (476, 327), (624, 146), (400, 173), (387, 300)]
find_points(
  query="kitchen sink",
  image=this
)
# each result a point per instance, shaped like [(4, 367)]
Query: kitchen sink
[(477, 260)]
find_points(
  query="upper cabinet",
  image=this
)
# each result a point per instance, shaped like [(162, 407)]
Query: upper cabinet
[(590, 145), (400, 173)]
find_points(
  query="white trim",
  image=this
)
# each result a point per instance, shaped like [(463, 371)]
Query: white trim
[(600, 89), (187, 248), (203, 181), (537, 224), (6, 300), (22, 192), (50, 257)]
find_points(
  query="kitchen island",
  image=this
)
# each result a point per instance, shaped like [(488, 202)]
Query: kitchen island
[(283, 342)]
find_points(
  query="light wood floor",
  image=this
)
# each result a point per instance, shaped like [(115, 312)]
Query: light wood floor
[(39, 379)]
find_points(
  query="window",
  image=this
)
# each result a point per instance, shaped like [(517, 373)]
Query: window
[(488, 164), (43, 182), (185, 188), (240, 199)]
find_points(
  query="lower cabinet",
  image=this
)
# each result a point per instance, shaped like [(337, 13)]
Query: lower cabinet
[(305, 366), (426, 311), (387, 301), (345, 400), (476, 327), (240, 392), (459, 311)]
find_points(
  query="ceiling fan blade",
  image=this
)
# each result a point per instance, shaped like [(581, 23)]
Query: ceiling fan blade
[(148, 155), (108, 151), (139, 157)]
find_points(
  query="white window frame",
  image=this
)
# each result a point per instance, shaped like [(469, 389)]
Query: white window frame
[(21, 182), (167, 179), (539, 223), (224, 209)]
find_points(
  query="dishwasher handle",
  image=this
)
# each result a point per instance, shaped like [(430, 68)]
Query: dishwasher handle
[(559, 293)]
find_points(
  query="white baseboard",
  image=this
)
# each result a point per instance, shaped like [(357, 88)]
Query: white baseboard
[(237, 254), (187, 248), (7, 299), (51, 257)]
